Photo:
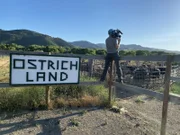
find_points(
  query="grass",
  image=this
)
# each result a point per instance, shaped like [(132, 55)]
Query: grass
[(175, 88), (4, 69), (74, 122), (13, 99), (139, 100)]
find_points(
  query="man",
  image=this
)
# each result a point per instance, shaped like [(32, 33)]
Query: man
[(112, 46)]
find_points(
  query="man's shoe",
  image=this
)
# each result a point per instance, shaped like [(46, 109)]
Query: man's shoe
[(120, 81)]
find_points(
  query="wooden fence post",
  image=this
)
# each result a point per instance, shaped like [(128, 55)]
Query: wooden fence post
[(90, 66), (166, 94), (48, 98), (48, 93), (111, 82)]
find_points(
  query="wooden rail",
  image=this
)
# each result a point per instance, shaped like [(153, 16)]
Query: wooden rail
[(172, 97), (176, 58), (177, 79), (6, 85)]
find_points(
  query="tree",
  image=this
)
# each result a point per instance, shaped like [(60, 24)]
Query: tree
[(131, 53), (142, 53), (122, 53), (35, 48), (52, 48), (100, 52)]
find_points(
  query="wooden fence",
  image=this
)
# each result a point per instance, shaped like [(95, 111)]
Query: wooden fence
[(165, 97)]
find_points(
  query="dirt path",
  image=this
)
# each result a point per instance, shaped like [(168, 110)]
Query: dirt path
[(143, 118)]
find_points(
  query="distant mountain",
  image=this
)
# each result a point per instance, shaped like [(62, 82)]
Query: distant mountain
[(86, 44), (28, 37)]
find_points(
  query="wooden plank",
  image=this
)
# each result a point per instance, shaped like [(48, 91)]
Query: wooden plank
[(90, 66), (90, 83), (48, 98), (177, 79), (3, 52), (110, 82), (139, 90), (166, 95), (101, 57), (144, 58), (172, 97), (6, 85)]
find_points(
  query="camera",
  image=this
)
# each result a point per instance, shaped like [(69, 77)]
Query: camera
[(116, 33)]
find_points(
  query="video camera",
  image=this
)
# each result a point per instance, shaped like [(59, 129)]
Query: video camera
[(116, 33)]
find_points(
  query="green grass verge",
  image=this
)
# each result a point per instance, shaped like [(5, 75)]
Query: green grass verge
[(175, 88), (12, 99)]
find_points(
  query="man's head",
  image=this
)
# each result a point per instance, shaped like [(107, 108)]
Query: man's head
[(110, 32)]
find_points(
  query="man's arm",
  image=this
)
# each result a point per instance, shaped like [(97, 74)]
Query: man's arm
[(118, 43)]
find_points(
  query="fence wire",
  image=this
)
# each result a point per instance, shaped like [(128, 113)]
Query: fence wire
[(92, 68), (144, 74), (149, 75)]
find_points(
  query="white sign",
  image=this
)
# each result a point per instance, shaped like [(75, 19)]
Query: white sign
[(26, 69)]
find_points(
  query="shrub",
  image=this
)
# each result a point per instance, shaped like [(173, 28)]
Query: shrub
[(175, 88), (12, 99)]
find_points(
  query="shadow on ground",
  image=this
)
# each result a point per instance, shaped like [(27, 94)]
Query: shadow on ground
[(124, 94), (48, 126)]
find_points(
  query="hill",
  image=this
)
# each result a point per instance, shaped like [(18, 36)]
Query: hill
[(27, 37), (86, 44)]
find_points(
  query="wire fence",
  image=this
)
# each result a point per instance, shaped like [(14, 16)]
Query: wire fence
[(148, 74)]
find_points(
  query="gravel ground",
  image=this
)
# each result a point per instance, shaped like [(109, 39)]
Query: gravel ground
[(143, 118)]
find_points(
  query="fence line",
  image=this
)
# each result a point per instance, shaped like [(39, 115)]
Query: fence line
[(7, 85), (176, 58), (172, 97), (165, 97)]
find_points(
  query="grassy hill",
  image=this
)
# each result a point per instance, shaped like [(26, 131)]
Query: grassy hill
[(87, 44), (26, 37)]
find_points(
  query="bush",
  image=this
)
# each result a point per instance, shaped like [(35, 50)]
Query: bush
[(78, 96), (21, 98), (175, 88), (13, 99)]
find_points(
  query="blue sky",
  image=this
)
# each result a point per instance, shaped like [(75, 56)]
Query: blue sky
[(150, 23)]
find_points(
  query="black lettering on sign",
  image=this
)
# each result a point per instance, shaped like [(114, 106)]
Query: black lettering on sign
[(73, 65), (20, 61), (62, 64), (54, 76), (50, 64), (33, 66), (42, 65), (63, 76), (57, 65), (27, 77), (40, 75)]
